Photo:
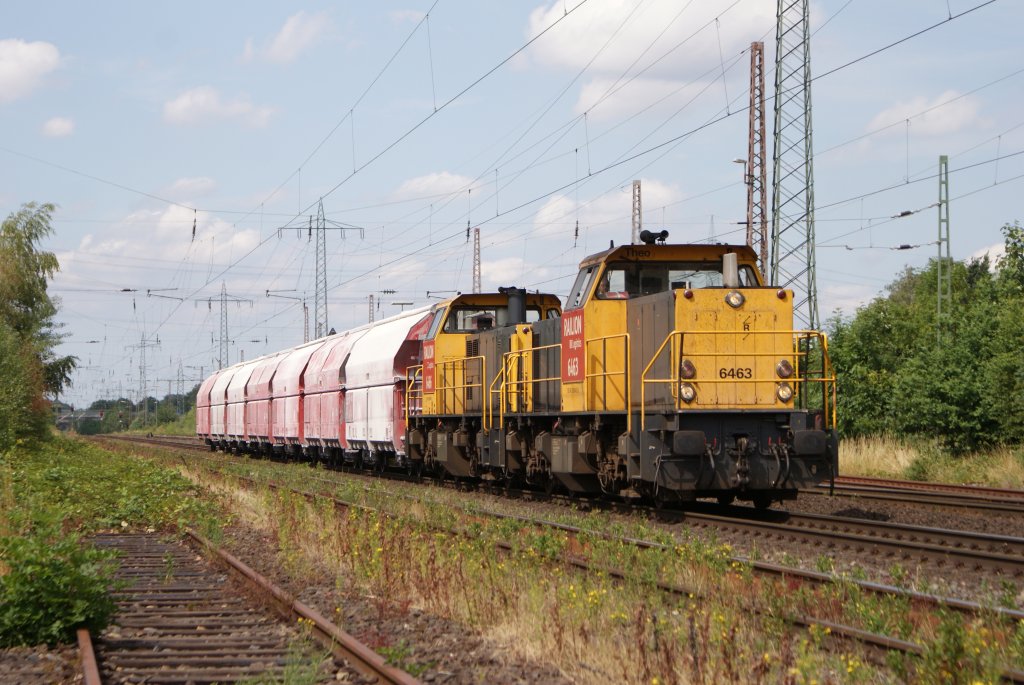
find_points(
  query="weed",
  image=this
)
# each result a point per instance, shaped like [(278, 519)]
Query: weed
[(400, 655), (53, 585)]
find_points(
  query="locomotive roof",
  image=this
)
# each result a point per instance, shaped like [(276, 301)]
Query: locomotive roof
[(642, 252), (499, 298)]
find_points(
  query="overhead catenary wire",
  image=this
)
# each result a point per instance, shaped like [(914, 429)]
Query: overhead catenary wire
[(505, 213)]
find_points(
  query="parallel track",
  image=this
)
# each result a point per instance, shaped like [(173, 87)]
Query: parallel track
[(179, 621), (1003, 553), (998, 554)]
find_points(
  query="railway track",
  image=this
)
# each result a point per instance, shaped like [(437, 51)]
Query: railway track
[(839, 633), (956, 500), (180, 620), (964, 548), (974, 492), (944, 548), (940, 494)]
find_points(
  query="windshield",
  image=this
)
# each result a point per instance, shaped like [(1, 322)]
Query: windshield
[(622, 280)]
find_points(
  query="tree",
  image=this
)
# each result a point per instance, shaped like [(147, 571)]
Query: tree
[(897, 375), (28, 333)]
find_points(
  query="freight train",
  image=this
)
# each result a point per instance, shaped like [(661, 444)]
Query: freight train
[(671, 373)]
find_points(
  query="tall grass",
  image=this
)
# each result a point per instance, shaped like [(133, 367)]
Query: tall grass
[(888, 457)]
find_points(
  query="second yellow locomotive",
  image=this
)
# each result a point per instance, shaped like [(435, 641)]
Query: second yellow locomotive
[(672, 373)]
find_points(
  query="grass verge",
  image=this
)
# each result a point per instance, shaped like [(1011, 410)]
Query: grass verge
[(732, 627), (888, 457), (51, 495)]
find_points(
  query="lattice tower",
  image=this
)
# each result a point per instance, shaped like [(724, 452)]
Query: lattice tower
[(320, 300), (757, 188), (792, 259), (637, 213)]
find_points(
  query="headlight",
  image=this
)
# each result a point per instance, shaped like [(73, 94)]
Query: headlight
[(785, 392), (687, 369), (784, 369), (735, 299), (687, 392)]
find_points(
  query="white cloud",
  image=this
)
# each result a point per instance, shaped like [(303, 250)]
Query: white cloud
[(846, 298), (203, 104), (249, 51), (994, 252), (674, 43), (950, 118), (23, 66), (495, 273), (576, 42), (300, 32), (437, 183), (552, 217), (192, 187), (168, 235), (403, 16), (604, 100), (58, 127), (608, 215)]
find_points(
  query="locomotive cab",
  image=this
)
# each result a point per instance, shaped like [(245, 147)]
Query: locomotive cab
[(685, 350), (457, 384)]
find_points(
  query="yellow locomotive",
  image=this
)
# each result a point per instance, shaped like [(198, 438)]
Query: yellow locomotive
[(672, 373)]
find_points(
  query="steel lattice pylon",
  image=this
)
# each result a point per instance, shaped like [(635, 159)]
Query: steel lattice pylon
[(757, 188), (223, 360), (944, 263), (320, 301), (477, 287), (638, 213), (792, 259)]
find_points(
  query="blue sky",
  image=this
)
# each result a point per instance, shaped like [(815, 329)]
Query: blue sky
[(138, 119)]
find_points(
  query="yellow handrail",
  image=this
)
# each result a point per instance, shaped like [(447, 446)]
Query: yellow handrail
[(588, 377), (489, 423), (441, 387), (800, 377), (411, 383), (512, 385)]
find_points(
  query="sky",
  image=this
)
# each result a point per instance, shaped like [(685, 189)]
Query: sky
[(188, 147)]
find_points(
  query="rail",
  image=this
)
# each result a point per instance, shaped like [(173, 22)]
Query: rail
[(812, 368), (591, 377)]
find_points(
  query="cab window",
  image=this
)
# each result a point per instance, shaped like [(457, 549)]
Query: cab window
[(471, 319), (623, 280), (435, 323), (578, 294)]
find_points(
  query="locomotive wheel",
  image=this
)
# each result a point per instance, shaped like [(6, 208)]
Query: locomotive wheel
[(726, 500), (762, 501)]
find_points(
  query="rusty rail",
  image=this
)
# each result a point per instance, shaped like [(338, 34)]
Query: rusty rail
[(343, 645), (90, 669)]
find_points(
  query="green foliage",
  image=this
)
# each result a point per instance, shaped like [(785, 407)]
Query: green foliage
[(964, 386), (28, 334), (50, 581), (87, 488), (53, 585), (22, 410)]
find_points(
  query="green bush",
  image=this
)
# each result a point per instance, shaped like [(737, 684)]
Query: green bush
[(53, 585), (899, 375)]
